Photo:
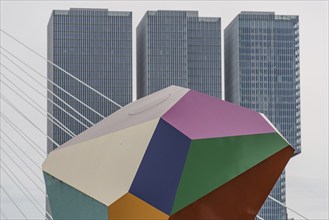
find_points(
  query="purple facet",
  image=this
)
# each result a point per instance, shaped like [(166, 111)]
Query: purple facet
[(208, 117)]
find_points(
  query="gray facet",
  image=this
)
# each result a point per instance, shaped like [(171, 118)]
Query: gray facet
[(69, 203), (142, 110)]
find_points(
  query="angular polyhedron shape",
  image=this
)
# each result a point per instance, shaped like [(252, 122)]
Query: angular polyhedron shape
[(175, 154)]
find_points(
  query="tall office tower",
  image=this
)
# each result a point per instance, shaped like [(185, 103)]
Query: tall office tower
[(178, 48), (262, 73), (94, 45)]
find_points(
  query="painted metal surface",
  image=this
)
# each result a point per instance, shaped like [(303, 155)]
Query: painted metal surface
[(145, 109), (242, 197), (157, 178), (174, 153), (104, 167), (69, 203), (212, 162), (132, 207), (200, 116)]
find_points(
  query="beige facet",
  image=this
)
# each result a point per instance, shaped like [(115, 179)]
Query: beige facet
[(145, 109), (103, 167)]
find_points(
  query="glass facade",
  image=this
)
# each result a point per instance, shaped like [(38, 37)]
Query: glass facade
[(94, 45), (178, 48), (262, 73)]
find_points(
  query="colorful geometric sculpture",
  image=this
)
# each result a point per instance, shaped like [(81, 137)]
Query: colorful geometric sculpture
[(175, 154)]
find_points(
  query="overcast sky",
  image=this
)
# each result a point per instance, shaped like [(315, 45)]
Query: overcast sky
[(307, 173)]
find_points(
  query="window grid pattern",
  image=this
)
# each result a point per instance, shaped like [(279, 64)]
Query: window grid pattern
[(94, 45), (266, 48), (178, 48), (204, 53)]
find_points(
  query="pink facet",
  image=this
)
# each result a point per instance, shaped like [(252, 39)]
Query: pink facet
[(209, 117)]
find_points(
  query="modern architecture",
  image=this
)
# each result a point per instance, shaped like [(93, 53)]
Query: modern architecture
[(178, 48), (95, 46), (262, 73)]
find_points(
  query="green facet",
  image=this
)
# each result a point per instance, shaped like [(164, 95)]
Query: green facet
[(67, 202), (212, 162)]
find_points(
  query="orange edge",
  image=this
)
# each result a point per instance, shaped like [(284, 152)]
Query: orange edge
[(130, 206)]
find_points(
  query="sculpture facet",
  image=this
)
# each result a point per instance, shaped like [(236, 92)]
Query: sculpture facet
[(174, 154)]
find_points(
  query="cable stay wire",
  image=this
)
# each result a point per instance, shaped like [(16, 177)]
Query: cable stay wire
[(24, 136), (23, 161), (94, 90), (48, 91), (63, 101), (277, 201), (6, 153), (20, 149), (58, 67), (3, 215), (34, 202), (47, 114), (48, 80), (26, 118), (34, 89), (23, 171), (258, 217), (12, 200), (25, 191)]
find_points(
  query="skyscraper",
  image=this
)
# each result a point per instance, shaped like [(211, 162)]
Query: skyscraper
[(94, 45), (262, 73), (178, 48)]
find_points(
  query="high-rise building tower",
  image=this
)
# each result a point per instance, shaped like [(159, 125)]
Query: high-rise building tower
[(178, 48), (262, 73), (94, 45)]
